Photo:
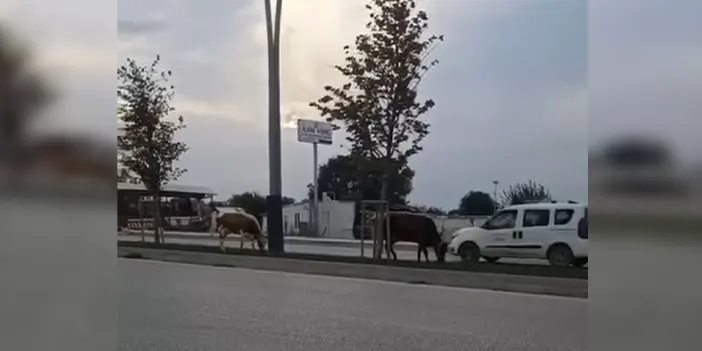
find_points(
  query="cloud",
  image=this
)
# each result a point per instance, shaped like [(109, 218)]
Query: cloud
[(646, 71), (127, 28), (511, 90)]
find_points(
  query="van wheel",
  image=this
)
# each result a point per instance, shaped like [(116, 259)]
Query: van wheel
[(560, 255), (469, 252), (491, 259), (580, 262)]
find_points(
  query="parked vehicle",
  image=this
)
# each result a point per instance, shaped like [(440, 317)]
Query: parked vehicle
[(554, 231)]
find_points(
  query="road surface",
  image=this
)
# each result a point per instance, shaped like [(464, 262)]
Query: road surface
[(172, 307), (320, 248)]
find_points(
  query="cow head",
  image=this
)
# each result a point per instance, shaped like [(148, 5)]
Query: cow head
[(214, 213), (262, 241), (441, 248)]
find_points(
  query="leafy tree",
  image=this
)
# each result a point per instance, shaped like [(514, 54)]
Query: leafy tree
[(522, 193), (144, 98), (431, 210), (23, 94), (310, 192), (252, 202), (378, 105), (476, 203), (342, 176), (288, 201), (124, 176)]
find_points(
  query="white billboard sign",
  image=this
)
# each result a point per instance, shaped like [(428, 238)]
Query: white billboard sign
[(316, 132)]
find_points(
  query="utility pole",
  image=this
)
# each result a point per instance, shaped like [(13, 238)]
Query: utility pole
[(274, 201), (496, 182)]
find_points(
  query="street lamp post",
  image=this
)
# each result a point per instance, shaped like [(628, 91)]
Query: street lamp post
[(274, 202)]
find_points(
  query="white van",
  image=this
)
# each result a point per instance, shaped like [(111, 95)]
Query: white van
[(553, 231)]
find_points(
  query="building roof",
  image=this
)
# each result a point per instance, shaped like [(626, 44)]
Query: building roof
[(169, 188)]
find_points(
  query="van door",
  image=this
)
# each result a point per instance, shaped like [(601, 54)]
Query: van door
[(532, 236), (499, 231)]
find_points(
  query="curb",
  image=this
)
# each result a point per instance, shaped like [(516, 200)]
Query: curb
[(489, 281), (292, 240)]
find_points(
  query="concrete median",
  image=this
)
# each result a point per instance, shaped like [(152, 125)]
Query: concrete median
[(352, 243), (501, 282)]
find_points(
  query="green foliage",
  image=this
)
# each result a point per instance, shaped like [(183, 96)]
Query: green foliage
[(346, 179), (23, 94), (143, 105), (124, 176), (287, 201), (522, 193), (378, 104), (431, 210), (476, 203), (250, 201)]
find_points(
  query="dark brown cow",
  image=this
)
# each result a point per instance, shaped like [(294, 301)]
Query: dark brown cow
[(416, 228), (241, 223)]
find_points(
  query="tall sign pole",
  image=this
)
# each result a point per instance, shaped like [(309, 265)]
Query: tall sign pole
[(315, 133), (315, 201), (274, 201)]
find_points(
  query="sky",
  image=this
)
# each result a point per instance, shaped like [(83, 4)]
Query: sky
[(523, 89)]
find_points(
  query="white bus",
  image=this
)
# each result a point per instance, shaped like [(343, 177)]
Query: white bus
[(181, 207)]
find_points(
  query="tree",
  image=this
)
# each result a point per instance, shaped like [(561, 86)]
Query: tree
[(288, 201), (378, 104), (346, 180), (124, 176), (144, 98), (252, 202), (522, 193), (476, 203), (431, 210), (24, 93)]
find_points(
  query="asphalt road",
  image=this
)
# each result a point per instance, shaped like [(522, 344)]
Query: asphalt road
[(173, 307), (325, 249)]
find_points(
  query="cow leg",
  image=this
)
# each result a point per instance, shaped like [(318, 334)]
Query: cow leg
[(221, 241), (241, 240), (392, 251), (426, 254), (419, 254)]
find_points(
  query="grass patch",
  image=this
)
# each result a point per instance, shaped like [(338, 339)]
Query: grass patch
[(224, 265), (134, 255), (418, 282), (498, 268)]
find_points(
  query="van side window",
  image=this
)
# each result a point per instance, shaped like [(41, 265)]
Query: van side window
[(563, 217), (536, 218)]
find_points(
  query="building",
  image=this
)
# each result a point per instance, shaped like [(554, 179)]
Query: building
[(337, 220)]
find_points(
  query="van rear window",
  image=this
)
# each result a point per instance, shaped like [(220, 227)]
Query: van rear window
[(563, 217)]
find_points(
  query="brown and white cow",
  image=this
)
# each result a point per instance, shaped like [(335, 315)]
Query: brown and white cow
[(240, 223)]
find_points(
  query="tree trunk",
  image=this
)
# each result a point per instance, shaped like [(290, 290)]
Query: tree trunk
[(156, 203), (380, 224)]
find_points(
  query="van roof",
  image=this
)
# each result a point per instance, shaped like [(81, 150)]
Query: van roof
[(548, 205)]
